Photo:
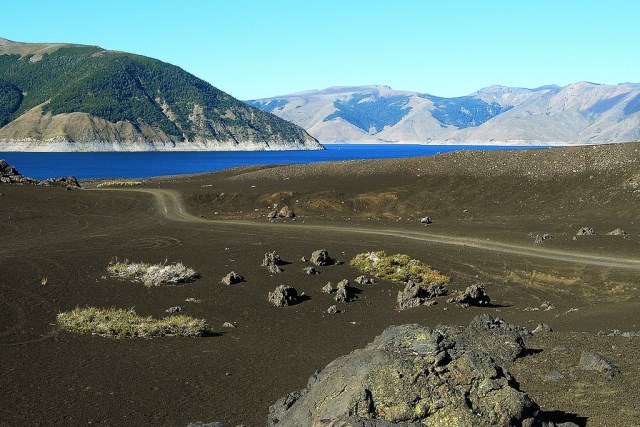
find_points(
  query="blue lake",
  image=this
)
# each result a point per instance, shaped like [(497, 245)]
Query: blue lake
[(148, 164)]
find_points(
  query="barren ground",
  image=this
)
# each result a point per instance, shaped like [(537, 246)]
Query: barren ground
[(486, 207)]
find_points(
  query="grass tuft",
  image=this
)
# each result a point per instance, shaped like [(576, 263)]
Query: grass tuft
[(119, 184), (119, 323), (398, 267), (152, 274)]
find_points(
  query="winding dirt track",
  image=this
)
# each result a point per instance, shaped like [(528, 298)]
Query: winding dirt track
[(171, 207)]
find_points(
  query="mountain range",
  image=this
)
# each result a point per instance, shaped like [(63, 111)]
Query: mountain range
[(68, 97), (581, 113)]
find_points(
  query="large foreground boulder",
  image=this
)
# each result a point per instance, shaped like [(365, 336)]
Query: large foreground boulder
[(413, 375)]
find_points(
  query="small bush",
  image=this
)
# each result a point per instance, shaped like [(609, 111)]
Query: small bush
[(398, 267), (152, 274), (119, 184), (119, 323)]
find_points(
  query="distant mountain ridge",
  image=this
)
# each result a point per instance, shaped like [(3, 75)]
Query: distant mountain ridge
[(75, 97), (581, 113)]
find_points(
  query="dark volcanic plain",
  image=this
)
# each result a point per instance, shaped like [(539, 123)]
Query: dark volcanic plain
[(486, 207)]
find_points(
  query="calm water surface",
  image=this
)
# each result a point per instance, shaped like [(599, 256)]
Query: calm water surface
[(148, 164)]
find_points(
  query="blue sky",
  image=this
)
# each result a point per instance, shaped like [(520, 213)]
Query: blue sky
[(260, 48)]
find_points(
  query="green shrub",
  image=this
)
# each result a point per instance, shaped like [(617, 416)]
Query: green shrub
[(398, 267), (152, 274), (119, 323)]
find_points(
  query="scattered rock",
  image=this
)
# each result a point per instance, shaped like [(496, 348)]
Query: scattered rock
[(542, 328), (176, 309), (546, 306), (1, 194), (426, 220), (272, 215), (201, 424), (540, 238), (553, 376), (586, 231), (286, 212), (363, 280), (417, 294), (304, 259), (228, 325), (590, 361), (618, 232), (272, 260), (310, 270), (333, 309), (344, 292), (197, 301), (284, 296), (474, 295), (321, 257), (328, 288), (413, 375), (619, 333), (232, 279)]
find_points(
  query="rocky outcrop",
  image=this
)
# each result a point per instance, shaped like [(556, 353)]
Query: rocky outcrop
[(417, 294), (10, 175), (474, 295), (413, 375)]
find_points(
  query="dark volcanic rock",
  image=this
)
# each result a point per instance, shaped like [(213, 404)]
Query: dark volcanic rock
[(321, 257), (540, 238), (618, 232), (286, 212), (272, 260), (284, 296), (472, 296), (364, 280), (333, 309), (344, 292), (413, 375), (232, 278), (328, 288), (417, 294), (586, 231), (594, 362), (310, 270)]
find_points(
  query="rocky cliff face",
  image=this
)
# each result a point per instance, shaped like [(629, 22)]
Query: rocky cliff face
[(56, 97), (582, 113)]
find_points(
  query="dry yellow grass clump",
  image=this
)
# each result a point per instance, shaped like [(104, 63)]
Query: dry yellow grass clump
[(398, 267), (153, 274), (119, 323), (119, 184)]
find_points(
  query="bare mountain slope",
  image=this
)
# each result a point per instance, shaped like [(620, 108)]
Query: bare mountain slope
[(576, 114)]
